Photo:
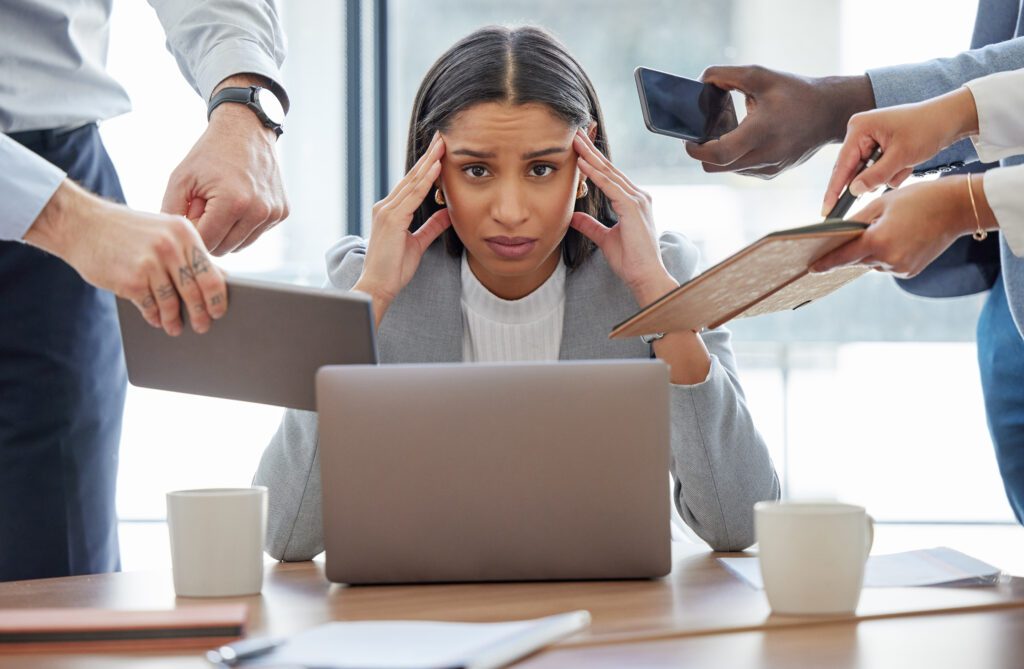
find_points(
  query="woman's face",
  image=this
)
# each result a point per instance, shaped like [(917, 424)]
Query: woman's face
[(509, 178)]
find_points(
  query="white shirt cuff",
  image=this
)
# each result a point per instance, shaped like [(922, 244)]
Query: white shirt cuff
[(27, 182), (1004, 190), (999, 99), (240, 57)]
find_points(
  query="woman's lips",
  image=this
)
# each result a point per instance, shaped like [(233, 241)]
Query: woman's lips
[(511, 247)]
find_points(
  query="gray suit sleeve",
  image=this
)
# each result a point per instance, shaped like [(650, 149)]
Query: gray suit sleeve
[(290, 466), (902, 84), (720, 463)]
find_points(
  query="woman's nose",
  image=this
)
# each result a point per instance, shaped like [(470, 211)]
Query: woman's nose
[(510, 206)]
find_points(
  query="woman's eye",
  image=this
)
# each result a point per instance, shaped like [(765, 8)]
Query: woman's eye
[(476, 171), (541, 170)]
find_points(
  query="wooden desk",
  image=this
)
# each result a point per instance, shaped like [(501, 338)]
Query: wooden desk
[(699, 598)]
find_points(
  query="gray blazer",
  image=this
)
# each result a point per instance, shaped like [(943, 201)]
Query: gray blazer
[(720, 466)]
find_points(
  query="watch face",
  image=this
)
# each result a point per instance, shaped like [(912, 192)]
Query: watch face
[(271, 107)]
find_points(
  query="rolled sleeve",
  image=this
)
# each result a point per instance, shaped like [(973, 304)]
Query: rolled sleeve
[(999, 99), (27, 184), (1004, 190), (227, 60), (216, 39)]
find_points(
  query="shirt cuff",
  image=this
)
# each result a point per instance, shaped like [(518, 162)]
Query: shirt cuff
[(998, 98), (1004, 190), (238, 57), (26, 185)]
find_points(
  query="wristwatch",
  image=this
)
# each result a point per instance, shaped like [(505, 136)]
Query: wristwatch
[(261, 101), (651, 338)]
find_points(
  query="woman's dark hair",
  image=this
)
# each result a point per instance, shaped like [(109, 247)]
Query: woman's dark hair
[(516, 66)]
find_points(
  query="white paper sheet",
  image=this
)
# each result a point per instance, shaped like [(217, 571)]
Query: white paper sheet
[(420, 644), (933, 566)]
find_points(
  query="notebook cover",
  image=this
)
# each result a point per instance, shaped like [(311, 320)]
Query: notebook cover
[(769, 275), (85, 629)]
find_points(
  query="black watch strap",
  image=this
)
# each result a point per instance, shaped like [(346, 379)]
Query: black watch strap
[(250, 97)]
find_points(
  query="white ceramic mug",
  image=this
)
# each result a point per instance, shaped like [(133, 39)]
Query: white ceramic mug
[(812, 555), (217, 539)]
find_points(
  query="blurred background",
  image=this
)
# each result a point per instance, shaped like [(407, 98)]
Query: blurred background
[(870, 396)]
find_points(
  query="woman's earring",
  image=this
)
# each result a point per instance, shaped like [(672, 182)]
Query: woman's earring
[(582, 191), (439, 197)]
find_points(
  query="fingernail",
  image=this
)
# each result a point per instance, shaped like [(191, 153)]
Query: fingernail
[(857, 188), (824, 210)]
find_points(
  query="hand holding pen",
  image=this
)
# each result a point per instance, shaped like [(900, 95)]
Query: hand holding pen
[(908, 135)]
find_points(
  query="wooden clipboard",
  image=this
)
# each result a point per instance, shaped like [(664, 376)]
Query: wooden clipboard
[(770, 275)]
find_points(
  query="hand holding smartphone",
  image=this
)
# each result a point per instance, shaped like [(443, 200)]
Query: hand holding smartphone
[(683, 108)]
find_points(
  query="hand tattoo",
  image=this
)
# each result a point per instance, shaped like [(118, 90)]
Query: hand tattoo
[(148, 302), (216, 299), (199, 262), (165, 292), (185, 274)]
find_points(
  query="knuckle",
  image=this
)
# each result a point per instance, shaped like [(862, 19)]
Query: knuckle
[(238, 204)]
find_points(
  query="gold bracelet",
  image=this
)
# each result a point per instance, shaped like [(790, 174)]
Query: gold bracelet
[(980, 234)]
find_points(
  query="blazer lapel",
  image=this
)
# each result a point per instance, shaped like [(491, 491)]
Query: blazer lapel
[(595, 301), (425, 322)]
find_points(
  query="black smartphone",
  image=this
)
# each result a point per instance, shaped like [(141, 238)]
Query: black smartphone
[(683, 108)]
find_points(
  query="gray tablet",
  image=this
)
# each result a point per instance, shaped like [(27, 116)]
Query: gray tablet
[(267, 347)]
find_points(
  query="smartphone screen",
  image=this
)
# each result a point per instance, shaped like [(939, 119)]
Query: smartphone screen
[(684, 108)]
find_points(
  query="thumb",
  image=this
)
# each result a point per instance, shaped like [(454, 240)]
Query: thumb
[(195, 209), (730, 77), (589, 227), (215, 222), (176, 197), (879, 174), (432, 229), (848, 254)]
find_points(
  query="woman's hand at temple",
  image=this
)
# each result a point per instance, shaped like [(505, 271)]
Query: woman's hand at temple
[(632, 251), (630, 246), (394, 253)]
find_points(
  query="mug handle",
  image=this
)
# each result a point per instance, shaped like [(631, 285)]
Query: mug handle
[(871, 534)]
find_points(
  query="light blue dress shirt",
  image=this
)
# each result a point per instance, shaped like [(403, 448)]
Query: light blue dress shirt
[(53, 75)]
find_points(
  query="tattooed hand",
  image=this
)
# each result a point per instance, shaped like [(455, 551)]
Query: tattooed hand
[(154, 260)]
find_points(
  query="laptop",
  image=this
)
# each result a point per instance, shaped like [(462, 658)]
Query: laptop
[(495, 472), (265, 349)]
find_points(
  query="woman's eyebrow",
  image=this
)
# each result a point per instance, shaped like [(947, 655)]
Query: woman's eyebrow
[(544, 152), (526, 156), (472, 154)]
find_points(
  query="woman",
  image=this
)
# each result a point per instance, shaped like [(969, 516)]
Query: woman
[(535, 264)]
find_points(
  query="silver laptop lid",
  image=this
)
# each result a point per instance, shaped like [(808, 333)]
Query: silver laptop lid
[(528, 471)]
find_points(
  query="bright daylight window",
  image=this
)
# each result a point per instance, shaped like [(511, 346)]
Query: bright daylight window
[(856, 396)]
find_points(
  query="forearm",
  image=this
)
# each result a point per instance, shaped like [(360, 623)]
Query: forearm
[(683, 352), (720, 462), (290, 469), (65, 218), (915, 82), (27, 187)]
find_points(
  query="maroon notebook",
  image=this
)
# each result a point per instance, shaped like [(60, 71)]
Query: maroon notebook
[(81, 629)]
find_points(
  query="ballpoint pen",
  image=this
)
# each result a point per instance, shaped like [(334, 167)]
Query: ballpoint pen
[(232, 654), (847, 199)]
